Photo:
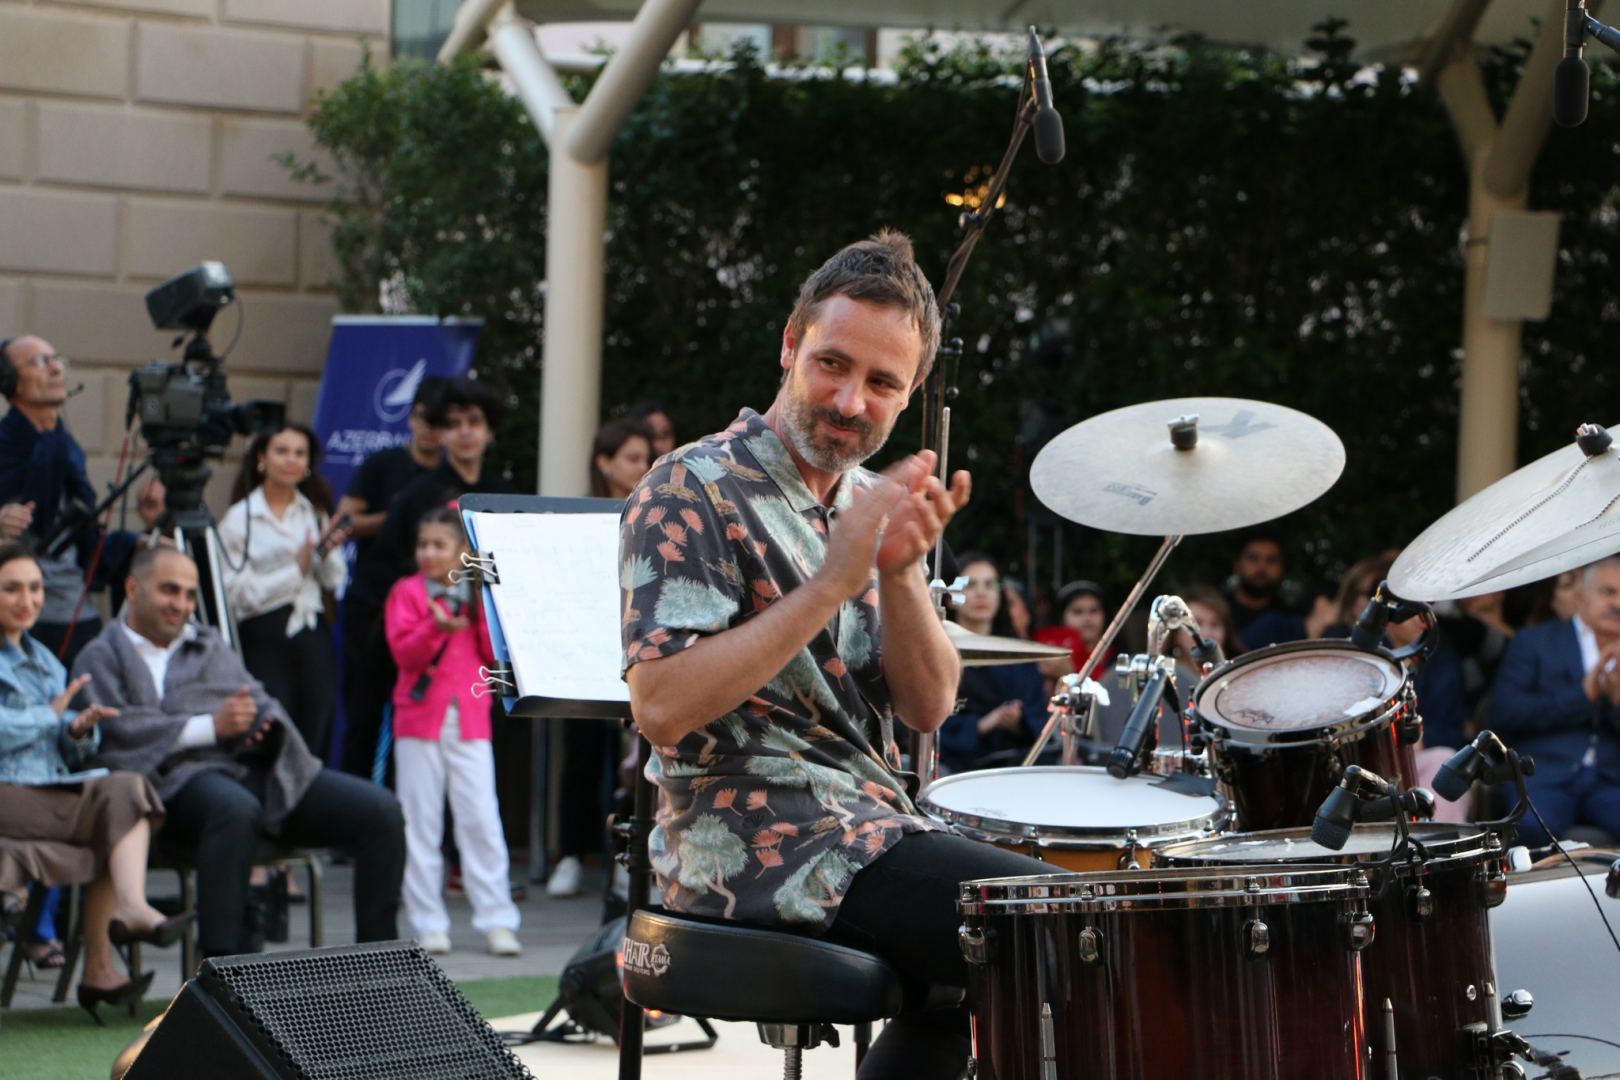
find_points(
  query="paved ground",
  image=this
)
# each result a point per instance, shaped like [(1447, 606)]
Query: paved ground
[(552, 930)]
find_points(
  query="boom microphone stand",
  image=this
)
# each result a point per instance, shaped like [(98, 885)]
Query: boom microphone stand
[(939, 388)]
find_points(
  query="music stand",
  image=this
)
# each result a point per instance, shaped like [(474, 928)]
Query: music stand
[(576, 587)]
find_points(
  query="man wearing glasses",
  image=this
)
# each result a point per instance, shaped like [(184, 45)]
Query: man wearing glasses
[(42, 476)]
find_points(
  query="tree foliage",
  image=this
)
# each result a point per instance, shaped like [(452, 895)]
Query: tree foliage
[(1226, 222)]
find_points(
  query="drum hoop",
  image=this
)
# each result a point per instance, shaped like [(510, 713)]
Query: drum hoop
[(1238, 886), (1332, 733), (1076, 838), (1445, 853)]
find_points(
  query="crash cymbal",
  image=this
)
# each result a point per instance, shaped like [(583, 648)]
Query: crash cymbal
[(983, 650), (1555, 514), (1248, 462)]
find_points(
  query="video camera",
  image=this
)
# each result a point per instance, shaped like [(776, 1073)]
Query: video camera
[(185, 407)]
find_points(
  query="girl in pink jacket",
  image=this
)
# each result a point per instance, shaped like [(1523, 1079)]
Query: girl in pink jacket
[(441, 742)]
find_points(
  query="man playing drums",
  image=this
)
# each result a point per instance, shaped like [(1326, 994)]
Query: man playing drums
[(776, 620)]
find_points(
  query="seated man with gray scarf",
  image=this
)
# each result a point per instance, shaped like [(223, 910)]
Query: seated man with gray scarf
[(228, 763)]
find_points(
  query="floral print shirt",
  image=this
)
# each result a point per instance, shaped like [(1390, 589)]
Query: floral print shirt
[(766, 813)]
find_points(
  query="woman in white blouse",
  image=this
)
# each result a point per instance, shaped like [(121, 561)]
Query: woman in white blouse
[(282, 551)]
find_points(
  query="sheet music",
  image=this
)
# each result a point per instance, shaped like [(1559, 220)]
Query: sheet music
[(557, 601)]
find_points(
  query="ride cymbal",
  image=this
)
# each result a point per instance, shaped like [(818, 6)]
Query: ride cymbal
[(1245, 462), (1555, 514)]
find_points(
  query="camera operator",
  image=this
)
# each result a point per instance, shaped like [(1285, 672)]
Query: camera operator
[(42, 477)]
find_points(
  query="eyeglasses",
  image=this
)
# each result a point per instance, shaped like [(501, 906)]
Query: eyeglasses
[(44, 360)]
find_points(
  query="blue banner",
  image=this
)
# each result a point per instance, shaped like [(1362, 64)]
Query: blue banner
[(373, 367)]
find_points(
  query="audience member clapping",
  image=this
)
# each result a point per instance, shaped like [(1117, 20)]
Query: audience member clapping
[(1003, 706), (283, 551)]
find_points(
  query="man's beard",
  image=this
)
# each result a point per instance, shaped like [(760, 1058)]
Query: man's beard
[(799, 419), (1264, 589)]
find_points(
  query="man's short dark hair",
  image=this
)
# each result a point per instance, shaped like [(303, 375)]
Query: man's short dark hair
[(883, 271), (1261, 536), (465, 393), (147, 557), (428, 392)]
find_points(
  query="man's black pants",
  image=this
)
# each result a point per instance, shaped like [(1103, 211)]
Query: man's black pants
[(224, 820), (903, 907)]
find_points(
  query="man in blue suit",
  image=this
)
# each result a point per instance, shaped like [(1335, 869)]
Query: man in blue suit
[(1557, 699)]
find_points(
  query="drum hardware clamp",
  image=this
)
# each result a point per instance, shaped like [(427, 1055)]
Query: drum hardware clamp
[(971, 941), (1256, 937), (1090, 945)]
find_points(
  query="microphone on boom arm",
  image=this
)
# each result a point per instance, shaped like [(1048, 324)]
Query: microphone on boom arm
[(1048, 124)]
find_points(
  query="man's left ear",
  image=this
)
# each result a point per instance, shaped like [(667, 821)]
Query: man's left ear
[(789, 347)]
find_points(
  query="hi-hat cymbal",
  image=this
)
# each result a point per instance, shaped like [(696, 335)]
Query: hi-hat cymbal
[(983, 650), (1555, 514), (1252, 461)]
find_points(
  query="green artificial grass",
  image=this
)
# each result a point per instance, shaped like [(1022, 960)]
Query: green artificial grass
[(62, 1043)]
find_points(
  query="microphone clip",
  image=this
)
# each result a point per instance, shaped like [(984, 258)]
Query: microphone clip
[(1384, 608)]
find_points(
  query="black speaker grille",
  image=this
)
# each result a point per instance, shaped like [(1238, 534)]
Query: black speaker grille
[(361, 1011)]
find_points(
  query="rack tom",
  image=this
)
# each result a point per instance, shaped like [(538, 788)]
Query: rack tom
[(1432, 956), (1076, 817), (1199, 974), (1284, 722)]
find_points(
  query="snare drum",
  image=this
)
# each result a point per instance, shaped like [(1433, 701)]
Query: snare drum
[(1197, 974), (1283, 723), (1076, 817), (1432, 956)]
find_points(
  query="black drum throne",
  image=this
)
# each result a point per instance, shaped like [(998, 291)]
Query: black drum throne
[(793, 986)]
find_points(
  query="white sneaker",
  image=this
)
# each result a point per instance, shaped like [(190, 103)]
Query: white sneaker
[(434, 943), (564, 879), (502, 942)]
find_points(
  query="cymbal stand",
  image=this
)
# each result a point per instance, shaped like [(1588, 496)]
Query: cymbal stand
[(925, 748), (1070, 749)]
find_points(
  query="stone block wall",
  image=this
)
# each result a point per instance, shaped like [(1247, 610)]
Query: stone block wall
[(137, 138)]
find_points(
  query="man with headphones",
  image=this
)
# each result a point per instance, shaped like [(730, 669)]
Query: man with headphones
[(42, 477)]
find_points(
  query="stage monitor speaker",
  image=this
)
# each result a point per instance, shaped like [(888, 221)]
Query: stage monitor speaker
[(354, 1011)]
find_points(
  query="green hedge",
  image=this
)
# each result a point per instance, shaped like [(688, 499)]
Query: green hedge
[(1227, 221)]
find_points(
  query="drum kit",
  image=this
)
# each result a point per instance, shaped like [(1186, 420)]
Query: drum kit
[(1233, 907)]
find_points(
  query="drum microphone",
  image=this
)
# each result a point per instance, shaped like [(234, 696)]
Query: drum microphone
[(1486, 758), (1123, 762), (1363, 795), (1048, 124)]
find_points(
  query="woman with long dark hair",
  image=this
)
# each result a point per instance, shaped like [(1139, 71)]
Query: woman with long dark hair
[(282, 553), (621, 455), (44, 740), (1003, 707)]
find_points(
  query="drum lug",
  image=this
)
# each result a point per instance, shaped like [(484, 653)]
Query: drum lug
[(971, 940), (1360, 929), (1422, 902), (1256, 937), (1127, 858), (1090, 943), (1493, 887)]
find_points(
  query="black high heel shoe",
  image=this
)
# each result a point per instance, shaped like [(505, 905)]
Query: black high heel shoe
[(162, 935), (90, 997)]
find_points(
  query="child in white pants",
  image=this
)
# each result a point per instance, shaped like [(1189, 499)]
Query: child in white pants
[(441, 743)]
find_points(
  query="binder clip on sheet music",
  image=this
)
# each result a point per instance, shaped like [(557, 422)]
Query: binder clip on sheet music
[(549, 573)]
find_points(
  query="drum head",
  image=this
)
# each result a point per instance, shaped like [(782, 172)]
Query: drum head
[(1366, 843), (1076, 802), (1289, 692)]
